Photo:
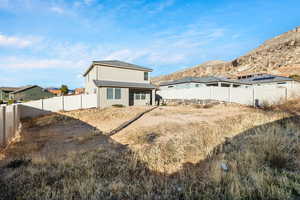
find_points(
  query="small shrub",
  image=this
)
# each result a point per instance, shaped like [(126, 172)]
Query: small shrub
[(206, 106), (11, 101), (1, 101), (118, 105), (197, 106)]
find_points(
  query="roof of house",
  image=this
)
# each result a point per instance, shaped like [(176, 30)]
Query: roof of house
[(265, 78), (123, 84), (23, 89), (204, 79), (9, 89), (117, 64)]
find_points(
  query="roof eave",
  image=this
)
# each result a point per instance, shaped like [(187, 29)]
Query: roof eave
[(123, 67)]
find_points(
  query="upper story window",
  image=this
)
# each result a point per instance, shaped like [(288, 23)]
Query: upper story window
[(146, 76)]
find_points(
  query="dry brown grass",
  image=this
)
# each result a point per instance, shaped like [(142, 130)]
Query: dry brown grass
[(174, 161)]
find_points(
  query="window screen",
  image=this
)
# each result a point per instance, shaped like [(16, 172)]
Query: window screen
[(110, 93), (117, 93), (143, 96), (146, 76)]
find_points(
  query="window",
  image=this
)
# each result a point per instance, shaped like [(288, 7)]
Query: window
[(143, 96), (170, 86), (117, 93), (137, 96), (212, 84), (146, 76), (110, 93), (225, 85), (113, 93), (197, 85), (282, 83)]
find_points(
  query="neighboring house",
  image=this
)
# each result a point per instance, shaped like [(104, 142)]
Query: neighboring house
[(71, 92), (79, 91), (55, 91), (4, 92), (257, 80), (247, 81), (206, 81), (118, 82), (29, 93)]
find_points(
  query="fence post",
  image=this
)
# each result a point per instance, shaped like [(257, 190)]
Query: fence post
[(81, 101), (42, 104), (286, 94), (98, 97), (229, 95), (63, 102), (253, 95), (3, 113), (17, 117), (14, 120)]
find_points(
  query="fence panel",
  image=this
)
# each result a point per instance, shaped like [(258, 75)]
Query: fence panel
[(89, 101), (220, 93), (270, 95), (2, 126), (241, 95), (72, 102), (10, 123), (245, 96), (53, 104)]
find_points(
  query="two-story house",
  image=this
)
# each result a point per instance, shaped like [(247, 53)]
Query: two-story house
[(117, 82)]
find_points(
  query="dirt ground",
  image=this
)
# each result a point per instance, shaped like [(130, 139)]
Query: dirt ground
[(59, 135), (181, 116), (67, 133)]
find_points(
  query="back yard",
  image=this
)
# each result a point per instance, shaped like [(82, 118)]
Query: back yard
[(174, 152)]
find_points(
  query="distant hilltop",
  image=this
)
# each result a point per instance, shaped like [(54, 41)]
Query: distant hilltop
[(279, 55)]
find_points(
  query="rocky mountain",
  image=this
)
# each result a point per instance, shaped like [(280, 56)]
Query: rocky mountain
[(279, 55)]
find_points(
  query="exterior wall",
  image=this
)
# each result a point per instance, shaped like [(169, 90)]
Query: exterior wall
[(90, 86), (34, 93), (104, 102), (120, 74)]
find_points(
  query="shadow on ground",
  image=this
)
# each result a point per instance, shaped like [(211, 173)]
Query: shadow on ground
[(73, 160)]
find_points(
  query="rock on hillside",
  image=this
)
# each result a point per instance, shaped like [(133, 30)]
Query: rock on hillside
[(280, 55)]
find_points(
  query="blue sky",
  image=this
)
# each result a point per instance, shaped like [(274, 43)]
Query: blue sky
[(50, 43)]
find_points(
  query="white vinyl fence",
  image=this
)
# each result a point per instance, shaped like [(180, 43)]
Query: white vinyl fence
[(55, 104), (246, 96), (9, 123), (11, 115)]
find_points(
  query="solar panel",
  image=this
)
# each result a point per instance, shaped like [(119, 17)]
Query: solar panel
[(263, 78)]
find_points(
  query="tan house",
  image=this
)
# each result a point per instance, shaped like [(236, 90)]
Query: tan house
[(117, 82)]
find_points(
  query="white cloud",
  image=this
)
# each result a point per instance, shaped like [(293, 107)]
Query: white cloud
[(36, 63), (57, 10), (16, 42), (158, 7), (88, 2)]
